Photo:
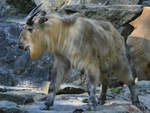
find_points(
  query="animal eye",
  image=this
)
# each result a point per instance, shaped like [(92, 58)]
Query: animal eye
[(30, 29)]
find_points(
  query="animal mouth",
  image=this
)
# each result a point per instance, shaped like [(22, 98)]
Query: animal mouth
[(24, 47)]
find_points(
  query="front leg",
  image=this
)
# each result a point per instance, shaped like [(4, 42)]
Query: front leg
[(52, 90), (60, 71), (93, 73)]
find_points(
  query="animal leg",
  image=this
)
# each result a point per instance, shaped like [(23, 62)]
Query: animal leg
[(102, 96), (92, 84), (91, 93), (60, 71), (128, 79), (52, 90), (134, 97)]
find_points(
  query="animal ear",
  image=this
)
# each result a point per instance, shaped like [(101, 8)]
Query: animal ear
[(43, 13), (43, 19)]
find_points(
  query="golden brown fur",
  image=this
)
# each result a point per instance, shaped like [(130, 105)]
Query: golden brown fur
[(79, 41), (91, 45)]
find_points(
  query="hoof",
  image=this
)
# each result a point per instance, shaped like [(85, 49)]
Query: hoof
[(142, 107), (45, 107), (78, 111), (101, 102), (92, 106)]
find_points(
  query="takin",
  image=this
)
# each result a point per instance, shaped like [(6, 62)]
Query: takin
[(139, 45), (91, 45)]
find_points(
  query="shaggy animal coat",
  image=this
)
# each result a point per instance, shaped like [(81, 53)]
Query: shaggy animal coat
[(91, 45)]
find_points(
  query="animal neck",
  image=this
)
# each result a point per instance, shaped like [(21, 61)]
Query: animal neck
[(37, 46), (58, 32)]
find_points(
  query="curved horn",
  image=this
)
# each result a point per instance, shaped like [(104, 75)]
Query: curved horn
[(31, 15)]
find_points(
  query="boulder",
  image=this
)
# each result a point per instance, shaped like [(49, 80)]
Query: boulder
[(7, 79), (15, 7), (117, 102), (14, 97), (116, 108), (70, 89), (50, 5), (54, 5), (144, 2), (72, 103), (118, 15), (10, 88), (143, 87), (22, 97), (124, 2), (10, 107), (16, 66)]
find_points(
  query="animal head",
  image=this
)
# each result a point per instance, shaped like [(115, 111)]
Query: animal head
[(31, 35)]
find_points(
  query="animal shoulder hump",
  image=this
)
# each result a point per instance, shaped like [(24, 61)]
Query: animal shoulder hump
[(71, 19)]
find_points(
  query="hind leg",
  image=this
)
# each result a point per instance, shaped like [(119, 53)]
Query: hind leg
[(134, 96), (59, 72), (128, 79), (102, 96)]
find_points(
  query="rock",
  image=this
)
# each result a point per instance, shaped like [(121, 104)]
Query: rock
[(144, 2), (118, 109), (119, 15), (143, 87), (9, 88), (50, 5), (70, 103), (7, 79), (9, 104), (14, 97), (73, 2), (54, 5), (15, 7), (70, 89), (145, 100), (7, 56), (124, 2), (10, 107), (21, 64), (22, 97), (15, 64), (143, 84), (36, 72)]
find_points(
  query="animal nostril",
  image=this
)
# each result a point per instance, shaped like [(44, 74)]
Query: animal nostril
[(20, 46)]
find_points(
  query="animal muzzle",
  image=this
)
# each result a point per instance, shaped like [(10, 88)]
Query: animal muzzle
[(20, 45)]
